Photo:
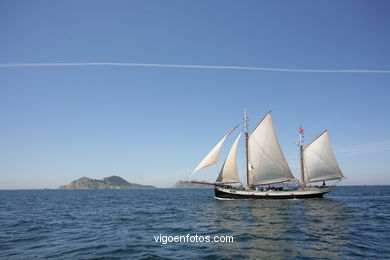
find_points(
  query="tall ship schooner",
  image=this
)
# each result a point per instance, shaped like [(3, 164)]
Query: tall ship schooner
[(267, 168)]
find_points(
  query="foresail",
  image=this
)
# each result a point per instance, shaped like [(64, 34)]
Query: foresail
[(212, 157), (267, 162), (320, 164), (229, 173)]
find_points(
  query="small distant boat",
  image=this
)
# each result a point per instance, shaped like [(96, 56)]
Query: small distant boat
[(267, 166)]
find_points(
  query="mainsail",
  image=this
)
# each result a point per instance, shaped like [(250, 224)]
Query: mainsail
[(229, 173), (268, 164), (212, 157), (319, 161)]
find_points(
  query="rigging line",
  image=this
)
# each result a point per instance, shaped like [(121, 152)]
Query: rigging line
[(128, 64)]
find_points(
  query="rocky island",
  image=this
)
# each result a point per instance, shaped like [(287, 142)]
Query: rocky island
[(113, 182), (185, 184)]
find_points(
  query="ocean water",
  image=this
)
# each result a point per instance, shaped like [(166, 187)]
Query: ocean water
[(352, 222)]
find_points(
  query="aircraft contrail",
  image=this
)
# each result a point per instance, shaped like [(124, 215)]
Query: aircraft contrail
[(127, 64)]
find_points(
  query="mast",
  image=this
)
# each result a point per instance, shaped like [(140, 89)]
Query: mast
[(246, 146), (300, 144)]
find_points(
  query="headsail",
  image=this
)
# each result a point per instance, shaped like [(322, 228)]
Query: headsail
[(319, 161), (268, 164), (229, 173), (212, 157)]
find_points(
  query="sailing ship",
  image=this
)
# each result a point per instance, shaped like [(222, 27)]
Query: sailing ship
[(267, 168)]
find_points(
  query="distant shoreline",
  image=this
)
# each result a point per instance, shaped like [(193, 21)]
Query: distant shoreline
[(112, 182), (25, 189)]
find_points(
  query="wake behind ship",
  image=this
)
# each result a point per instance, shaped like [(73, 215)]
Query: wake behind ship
[(266, 166)]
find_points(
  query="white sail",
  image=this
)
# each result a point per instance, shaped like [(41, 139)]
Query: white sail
[(319, 161), (229, 173), (212, 157), (268, 164)]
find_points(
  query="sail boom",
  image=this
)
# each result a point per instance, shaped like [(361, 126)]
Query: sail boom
[(322, 179), (272, 182), (209, 183), (201, 182)]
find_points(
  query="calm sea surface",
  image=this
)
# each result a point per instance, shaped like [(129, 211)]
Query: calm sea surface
[(351, 222)]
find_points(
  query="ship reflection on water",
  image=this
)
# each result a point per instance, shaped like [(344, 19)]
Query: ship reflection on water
[(314, 228)]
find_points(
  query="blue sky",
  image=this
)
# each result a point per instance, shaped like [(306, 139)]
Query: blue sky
[(154, 125)]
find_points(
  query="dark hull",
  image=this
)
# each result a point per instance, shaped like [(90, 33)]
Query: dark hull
[(229, 195)]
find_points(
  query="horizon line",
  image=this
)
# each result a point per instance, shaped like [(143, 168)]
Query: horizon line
[(184, 66), (26, 189)]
